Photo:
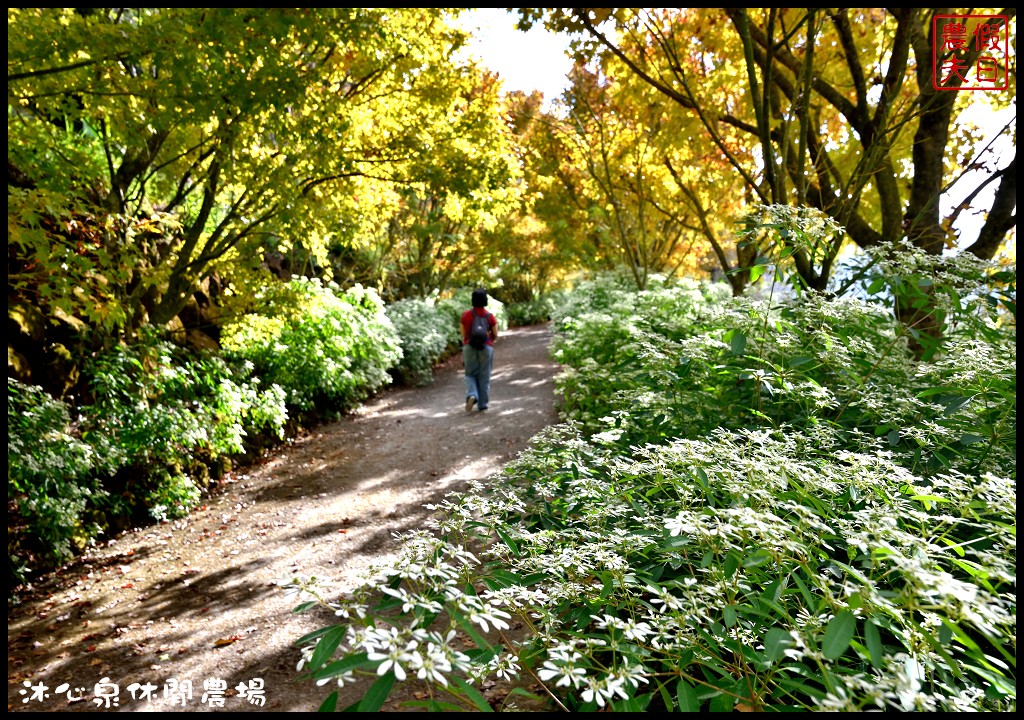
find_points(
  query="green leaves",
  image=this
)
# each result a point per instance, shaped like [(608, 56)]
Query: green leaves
[(319, 344), (51, 479), (838, 634), (375, 697), (758, 269), (737, 341), (873, 642), (776, 642), (800, 243), (686, 697)]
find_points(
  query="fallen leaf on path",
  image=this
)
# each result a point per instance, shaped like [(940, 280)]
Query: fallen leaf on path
[(227, 641)]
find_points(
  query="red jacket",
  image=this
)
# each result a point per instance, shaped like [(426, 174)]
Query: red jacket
[(467, 323)]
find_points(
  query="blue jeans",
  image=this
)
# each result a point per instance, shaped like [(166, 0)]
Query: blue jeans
[(477, 365)]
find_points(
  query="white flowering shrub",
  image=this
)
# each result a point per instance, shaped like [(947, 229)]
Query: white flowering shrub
[(328, 348), (746, 508), (428, 335)]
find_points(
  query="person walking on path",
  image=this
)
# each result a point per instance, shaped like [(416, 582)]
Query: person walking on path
[(479, 331)]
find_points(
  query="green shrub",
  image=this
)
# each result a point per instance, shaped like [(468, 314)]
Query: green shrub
[(744, 570), (158, 419), (52, 479), (240, 406), (428, 335), (327, 349), (171, 414), (533, 312), (162, 402), (172, 495)]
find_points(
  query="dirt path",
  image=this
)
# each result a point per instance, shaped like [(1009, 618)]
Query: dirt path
[(197, 599)]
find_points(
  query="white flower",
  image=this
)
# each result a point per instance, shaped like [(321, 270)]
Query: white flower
[(408, 600), (597, 691), (638, 631), (665, 598), (387, 648), (346, 677), (307, 655), (486, 614), (430, 665), (680, 525), (505, 666), (909, 683), (567, 673), (632, 675)]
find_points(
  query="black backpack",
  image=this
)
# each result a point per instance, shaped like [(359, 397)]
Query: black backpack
[(479, 331)]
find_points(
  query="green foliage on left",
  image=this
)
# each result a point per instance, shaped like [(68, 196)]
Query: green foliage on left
[(160, 423), (172, 416), (52, 479), (327, 348), (156, 399)]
